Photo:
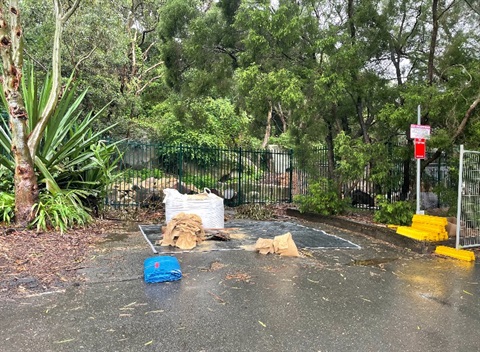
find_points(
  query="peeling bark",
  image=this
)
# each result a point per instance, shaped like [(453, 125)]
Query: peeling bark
[(11, 47), (24, 143)]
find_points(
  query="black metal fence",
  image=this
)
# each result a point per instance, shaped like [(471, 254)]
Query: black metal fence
[(240, 176)]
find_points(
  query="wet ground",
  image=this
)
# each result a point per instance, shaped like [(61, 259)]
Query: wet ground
[(243, 235), (373, 298)]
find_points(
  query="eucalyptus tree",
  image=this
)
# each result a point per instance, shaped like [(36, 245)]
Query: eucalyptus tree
[(113, 48), (200, 48), (434, 65), (276, 63), (122, 64), (24, 141)]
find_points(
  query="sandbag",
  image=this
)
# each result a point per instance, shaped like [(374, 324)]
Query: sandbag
[(161, 269)]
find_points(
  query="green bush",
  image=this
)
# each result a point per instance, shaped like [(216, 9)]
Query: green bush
[(61, 211), (7, 206), (130, 175), (6, 180), (72, 161), (397, 213), (201, 182), (321, 198)]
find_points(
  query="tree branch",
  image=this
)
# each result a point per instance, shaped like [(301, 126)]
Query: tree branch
[(86, 57), (51, 104), (139, 91), (150, 69), (471, 6), (145, 53), (446, 9), (45, 68), (466, 118), (70, 11)]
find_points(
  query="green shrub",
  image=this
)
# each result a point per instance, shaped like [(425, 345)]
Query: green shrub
[(7, 206), (6, 180), (321, 198), (61, 211), (201, 182), (130, 175), (397, 213)]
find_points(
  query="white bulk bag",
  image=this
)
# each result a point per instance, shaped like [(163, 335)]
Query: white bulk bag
[(206, 205)]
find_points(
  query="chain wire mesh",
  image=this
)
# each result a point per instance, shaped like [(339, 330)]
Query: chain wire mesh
[(468, 208)]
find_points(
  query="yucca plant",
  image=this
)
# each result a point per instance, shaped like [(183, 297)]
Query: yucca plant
[(71, 159)]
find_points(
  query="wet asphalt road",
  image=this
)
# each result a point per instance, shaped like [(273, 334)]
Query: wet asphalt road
[(377, 298)]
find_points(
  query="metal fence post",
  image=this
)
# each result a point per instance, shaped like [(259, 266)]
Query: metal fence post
[(290, 183), (180, 168), (240, 170), (390, 180)]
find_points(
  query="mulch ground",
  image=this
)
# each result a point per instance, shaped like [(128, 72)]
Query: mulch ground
[(33, 262)]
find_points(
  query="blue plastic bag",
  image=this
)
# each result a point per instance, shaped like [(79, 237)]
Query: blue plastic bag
[(161, 269)]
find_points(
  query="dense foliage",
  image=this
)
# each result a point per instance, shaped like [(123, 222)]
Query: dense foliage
[(398, 213), (348, 75), (321, 198)]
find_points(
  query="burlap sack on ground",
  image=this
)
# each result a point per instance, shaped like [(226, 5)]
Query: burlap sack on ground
[(184, 231), (283, 245), (264, 245)]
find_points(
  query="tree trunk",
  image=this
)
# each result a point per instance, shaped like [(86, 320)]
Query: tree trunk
[(433, 42), (25, 142), (330, 146), (282, 117), (268, 129), (61, 17), (11, 47)]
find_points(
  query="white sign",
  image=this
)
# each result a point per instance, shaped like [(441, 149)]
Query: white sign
[(420, 131)]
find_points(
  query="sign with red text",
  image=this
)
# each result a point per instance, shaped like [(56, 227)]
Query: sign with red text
[(419, 131)]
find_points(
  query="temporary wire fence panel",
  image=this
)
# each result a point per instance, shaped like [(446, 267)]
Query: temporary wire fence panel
[(468, 207)]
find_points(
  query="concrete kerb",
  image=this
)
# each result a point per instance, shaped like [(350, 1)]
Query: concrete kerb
[(378, 232)]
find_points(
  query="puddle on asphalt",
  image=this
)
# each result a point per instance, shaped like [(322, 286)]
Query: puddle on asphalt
[(371, 262)]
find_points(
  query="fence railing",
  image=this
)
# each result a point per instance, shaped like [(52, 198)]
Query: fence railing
[(240, 176)]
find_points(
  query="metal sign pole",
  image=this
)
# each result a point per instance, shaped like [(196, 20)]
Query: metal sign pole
[(418, 169), (459, 199)]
